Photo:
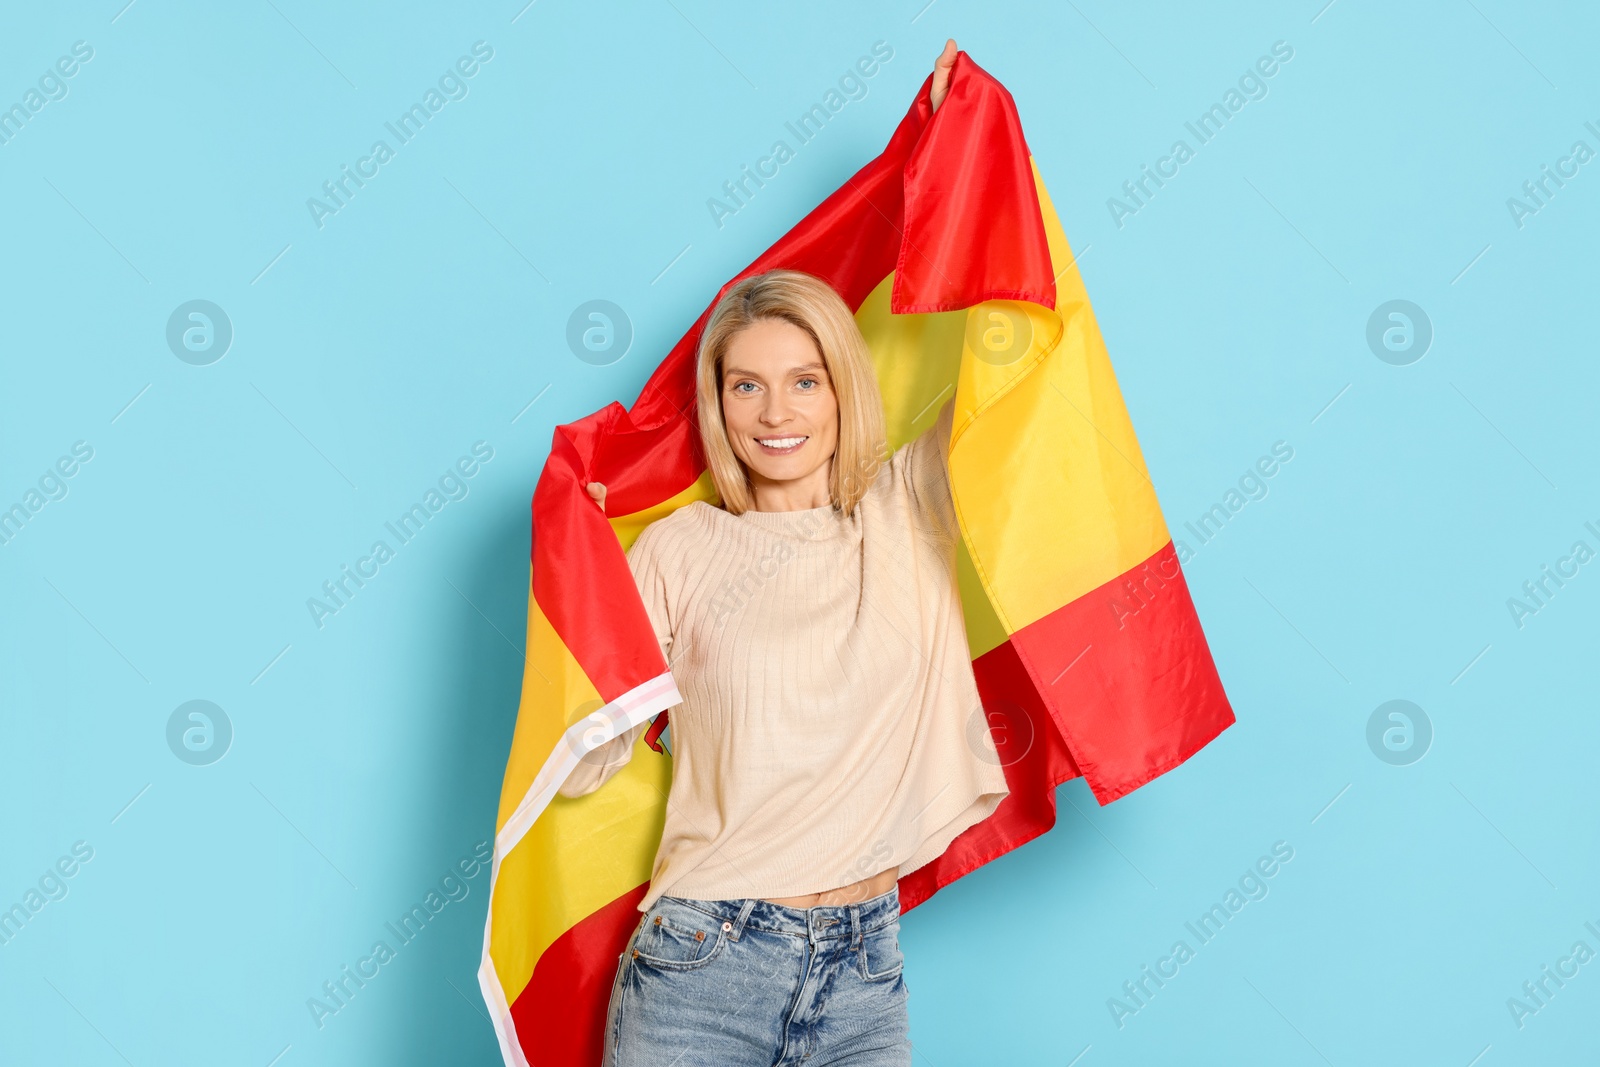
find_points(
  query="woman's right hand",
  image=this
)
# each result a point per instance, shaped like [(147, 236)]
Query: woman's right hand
[(598, 491)]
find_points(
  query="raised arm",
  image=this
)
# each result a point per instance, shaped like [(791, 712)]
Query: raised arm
[(596, 768), (942, 65), (926, 470)]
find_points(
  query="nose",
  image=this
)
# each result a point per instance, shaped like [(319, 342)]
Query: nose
[(775, 412)]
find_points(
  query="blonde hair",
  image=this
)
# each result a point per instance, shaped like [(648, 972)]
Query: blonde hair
[(811, 304)]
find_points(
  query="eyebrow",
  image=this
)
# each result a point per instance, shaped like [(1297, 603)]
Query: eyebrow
[(727, 371)]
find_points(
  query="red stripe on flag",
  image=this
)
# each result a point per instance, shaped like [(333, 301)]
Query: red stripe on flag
[(1127, 676), (560, 1015), (1092, 704), (1035, 759)]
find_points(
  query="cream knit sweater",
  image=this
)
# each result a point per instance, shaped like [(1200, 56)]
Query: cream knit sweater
[(830, 725)]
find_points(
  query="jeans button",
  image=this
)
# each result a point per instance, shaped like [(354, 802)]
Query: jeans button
[(726, 925)]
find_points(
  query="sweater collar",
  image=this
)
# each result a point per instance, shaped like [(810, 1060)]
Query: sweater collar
[(806, 524)]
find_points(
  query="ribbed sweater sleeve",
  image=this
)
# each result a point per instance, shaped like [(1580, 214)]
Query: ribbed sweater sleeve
[(928, 474)]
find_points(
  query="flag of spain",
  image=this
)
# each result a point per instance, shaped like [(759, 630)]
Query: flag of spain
[(1085, 644)]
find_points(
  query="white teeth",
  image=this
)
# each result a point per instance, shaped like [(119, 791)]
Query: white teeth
[(780, 442)]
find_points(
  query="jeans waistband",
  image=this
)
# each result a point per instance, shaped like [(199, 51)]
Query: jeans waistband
[(819, 922)]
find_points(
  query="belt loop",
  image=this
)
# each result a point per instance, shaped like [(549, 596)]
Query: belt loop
[(855, 927), (744, 913)]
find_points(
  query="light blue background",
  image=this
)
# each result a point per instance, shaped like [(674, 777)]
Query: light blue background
[(428, 313)]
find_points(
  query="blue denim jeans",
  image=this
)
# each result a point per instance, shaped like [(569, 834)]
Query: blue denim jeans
[(749, 983)]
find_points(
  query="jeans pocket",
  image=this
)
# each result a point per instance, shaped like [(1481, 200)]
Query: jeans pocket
[(677, 937), (880, 958)]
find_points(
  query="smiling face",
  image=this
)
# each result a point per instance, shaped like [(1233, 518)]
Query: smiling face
[(781, 413)]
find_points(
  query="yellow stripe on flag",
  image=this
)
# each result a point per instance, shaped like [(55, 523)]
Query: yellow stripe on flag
[(579, 856), (1054, 423), (551, 681)]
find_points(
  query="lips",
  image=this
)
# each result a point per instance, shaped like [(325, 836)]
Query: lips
[(782, 446)]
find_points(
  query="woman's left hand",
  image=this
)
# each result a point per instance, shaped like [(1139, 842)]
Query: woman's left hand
[(941, 73)]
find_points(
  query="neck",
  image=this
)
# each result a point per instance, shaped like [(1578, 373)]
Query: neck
[(797, 494)]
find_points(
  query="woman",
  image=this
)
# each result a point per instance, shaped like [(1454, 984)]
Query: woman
[(830, 736)]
